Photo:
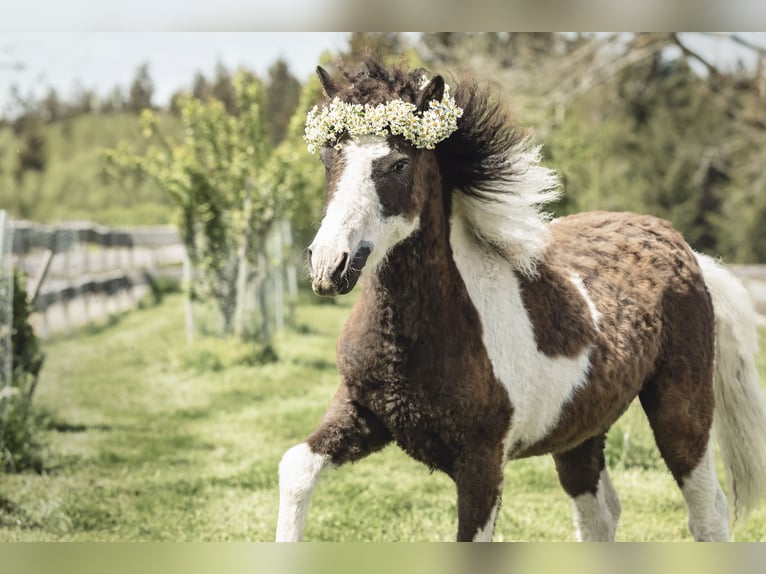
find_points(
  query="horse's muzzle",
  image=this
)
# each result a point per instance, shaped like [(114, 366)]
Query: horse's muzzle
[(340, 276)]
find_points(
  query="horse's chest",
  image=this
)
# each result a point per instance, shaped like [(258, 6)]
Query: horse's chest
[(538, 385), (429, 412)]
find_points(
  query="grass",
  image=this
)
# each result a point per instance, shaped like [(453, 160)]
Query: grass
[(150, 438)]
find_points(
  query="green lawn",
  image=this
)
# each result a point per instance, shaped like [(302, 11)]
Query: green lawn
[(150, 438)]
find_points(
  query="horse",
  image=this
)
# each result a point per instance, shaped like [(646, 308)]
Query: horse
[(488, 331)]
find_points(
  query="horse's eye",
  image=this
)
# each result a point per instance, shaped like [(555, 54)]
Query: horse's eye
[(400, 166)]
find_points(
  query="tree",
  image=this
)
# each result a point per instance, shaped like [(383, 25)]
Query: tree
[(223, 90), (505, 49), (282, 94), (217, 177), (141, 90), (384, 43), (201, 89), (390, 46), (32, 151), (52, 108), (84, 101), (113, 102)]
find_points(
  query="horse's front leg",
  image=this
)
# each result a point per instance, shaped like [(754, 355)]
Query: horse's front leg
[(479, 480), (348, 432)]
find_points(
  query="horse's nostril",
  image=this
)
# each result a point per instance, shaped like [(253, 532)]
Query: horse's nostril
[(308, 258), (340, 269)]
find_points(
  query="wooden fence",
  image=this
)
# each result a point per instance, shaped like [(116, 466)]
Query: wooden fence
[(79, 272)]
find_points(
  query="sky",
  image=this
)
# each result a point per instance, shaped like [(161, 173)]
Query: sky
[(102, 60)]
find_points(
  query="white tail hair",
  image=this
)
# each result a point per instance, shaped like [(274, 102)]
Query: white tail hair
[(740, 405), (512, 220)]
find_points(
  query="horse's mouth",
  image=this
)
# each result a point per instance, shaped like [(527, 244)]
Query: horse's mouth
[(346, 274)]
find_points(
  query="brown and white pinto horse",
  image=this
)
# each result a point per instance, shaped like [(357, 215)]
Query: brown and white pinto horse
[(487, 332)]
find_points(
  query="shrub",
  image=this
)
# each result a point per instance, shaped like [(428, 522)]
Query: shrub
[(18, 446)]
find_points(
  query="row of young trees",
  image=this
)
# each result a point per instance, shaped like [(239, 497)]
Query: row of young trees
[(233, 176)]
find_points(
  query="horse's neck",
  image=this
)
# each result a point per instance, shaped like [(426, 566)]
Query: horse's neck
[(419, 279)]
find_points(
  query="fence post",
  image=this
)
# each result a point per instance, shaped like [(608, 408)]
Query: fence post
[(130, 267), (6, 301), (104, 252), (84, 275), (66, 267)]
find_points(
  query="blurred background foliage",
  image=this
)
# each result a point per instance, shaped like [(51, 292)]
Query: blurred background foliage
[(631, 121)]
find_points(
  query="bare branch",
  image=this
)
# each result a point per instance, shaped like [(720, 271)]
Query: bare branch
[(712, 70), (736, 38)]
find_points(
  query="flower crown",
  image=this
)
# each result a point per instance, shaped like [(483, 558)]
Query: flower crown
[(423, 130)]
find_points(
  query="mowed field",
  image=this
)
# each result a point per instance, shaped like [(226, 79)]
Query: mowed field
[(149, 438)]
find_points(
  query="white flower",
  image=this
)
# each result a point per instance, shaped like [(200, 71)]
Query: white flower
[(326, 125)]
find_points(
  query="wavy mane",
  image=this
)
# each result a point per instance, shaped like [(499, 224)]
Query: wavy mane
[(498, 184), (373, 82), (491, 170)]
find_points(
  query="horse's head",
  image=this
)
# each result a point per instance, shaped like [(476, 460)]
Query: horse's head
[(372, 139)]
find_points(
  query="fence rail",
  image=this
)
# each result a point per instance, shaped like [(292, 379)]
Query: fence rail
[(79, 272), (29, 236)]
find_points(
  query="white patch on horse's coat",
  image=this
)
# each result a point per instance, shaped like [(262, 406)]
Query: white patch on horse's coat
[(513, 221), (299, 471), (596, 515), (538, 386), (705, 502), (485, 534), (354, 213), (594, 313)]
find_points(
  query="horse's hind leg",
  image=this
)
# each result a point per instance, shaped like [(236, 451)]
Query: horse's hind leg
[(347, 433), (705, 502), (583, 475), (680, 412)]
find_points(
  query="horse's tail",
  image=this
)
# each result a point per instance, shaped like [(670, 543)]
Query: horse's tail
[(740, 405)]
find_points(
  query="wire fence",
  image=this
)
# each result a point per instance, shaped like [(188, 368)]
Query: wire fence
[(79, 272)]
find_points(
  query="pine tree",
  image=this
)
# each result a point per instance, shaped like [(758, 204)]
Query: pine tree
[(223, 88), (141, 90), (282, 94)]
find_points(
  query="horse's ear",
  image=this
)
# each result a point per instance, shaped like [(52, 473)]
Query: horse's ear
[(433, 91), (330, 86)]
